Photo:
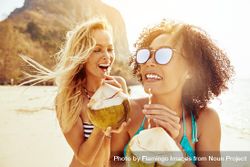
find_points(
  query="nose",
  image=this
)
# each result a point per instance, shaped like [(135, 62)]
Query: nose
[(106, 55), (151, 61)]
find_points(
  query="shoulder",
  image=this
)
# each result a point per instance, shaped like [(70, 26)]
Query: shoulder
[(209, 135), (208, 116), (208, 123)]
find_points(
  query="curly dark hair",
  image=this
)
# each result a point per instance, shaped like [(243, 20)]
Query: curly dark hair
[(210, 66)]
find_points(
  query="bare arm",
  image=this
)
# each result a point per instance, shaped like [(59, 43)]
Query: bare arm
[(119, 141), (209, 138), (85, 151)]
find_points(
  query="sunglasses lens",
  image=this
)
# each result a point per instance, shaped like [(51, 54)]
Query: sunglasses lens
[(163, 55), (142, 56)]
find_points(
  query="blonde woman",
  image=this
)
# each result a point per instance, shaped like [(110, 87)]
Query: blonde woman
[(84, 64)]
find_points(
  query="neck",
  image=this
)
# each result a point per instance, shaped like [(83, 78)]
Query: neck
[(93, 83), (171, 100)]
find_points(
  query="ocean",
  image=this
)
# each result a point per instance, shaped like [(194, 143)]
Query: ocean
[(233, 106)]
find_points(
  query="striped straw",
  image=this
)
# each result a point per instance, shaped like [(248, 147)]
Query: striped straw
[(149, 102)]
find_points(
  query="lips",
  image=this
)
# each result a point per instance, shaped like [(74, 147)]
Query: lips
[(153, 77), (104, 67)]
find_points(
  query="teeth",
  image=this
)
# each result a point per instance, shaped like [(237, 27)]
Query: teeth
[(153, 76), (103, 65)]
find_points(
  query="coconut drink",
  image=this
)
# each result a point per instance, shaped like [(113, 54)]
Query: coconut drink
[(109, 106), (153, 148)]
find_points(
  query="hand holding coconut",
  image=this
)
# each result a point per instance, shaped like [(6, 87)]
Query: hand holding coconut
[(154, 147), (162, 116), (109, 129), (108, 108)]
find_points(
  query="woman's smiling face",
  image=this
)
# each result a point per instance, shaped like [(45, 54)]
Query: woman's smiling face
[(101, 59), (165, 78)]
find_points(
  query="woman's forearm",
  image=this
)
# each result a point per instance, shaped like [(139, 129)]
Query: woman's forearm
[(89, 149)]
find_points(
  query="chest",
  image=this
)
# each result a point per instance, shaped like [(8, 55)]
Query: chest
[(187, 132), (84, 114)]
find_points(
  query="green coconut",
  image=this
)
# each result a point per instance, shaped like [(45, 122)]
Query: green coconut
[(109, 106), (153, 148), (135, 161)]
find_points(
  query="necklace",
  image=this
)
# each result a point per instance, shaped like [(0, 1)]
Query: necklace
[(86, 92)]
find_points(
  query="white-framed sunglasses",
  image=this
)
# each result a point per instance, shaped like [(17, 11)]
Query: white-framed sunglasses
[(162, 55)]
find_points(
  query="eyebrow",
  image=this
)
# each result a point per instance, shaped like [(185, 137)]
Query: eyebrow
[(164, 46), (110, 45)]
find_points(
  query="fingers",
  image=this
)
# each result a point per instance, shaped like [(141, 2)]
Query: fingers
[(172, 122), (162, 113), (108, 77), (174, 125), (157, 107), (110, 80), (109, 130), (128, 122), (122, 127), (163, 117)]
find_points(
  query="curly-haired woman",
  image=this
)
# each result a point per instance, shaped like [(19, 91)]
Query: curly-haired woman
[(184, 69)]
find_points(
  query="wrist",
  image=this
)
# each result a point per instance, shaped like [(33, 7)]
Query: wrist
[(99, 132), (107, 132)]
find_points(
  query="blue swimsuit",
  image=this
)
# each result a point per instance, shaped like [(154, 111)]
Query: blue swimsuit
[(184, 141)]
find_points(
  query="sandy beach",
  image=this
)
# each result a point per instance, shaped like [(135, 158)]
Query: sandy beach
[(30, 135), (29, 132)]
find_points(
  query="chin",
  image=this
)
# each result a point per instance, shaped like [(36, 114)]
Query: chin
[(98, 76), (149, 86), (102, 75)]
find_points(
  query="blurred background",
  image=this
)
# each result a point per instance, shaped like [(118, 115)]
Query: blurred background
[(28, 127)]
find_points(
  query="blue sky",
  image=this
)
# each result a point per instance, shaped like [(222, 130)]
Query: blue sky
[(225, 20)]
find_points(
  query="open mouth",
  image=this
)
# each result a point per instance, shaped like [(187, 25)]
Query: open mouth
[(153, 77), (104, 67)]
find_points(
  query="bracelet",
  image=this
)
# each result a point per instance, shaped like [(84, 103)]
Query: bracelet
[(107, 134)]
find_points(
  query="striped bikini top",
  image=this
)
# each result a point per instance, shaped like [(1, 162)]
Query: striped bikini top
[(87, 129)]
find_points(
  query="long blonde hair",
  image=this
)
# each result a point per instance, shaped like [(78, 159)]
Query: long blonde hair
[(70, 72)]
